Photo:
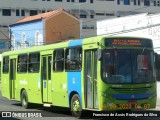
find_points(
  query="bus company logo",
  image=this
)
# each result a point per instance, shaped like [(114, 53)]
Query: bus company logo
[(6, 114), (132, 96)]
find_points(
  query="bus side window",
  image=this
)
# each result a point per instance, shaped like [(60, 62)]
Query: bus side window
[(73, 59), (22, 63), (5, 64), (34, 62), (58, 60)]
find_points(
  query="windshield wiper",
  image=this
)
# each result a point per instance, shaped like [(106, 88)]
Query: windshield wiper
[(143, 50)]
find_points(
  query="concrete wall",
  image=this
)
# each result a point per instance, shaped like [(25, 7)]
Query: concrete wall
[(61, 27), (4, 39)]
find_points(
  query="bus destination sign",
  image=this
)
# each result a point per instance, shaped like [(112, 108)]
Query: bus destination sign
[(128, 42), (116, 42)]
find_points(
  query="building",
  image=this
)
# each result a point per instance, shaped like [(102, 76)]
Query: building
[(44, 28), (4, 39), (128, 7), (140, 25), (89, 10)]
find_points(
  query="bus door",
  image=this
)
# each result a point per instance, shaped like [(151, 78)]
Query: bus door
[(12, 75), (90, 82), (46, 76)]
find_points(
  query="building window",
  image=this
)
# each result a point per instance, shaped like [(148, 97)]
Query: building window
[(6, 12), (58, 0), (5, 64), (22, 13), (139, 2), (58, 61), (83, 16), (118, 2), (135, 2), (33, 12), (126, 2), (146, 3), (72, 0), (43, 11), (91, 1), (91, 16), (158, 3), (82, 1), (73, 59), (109, 14), (13, 43), (22, 63), (23, 43), (17, 12), (154, 3), (38, 38), (68, 0), (34, 63), (99, 13)]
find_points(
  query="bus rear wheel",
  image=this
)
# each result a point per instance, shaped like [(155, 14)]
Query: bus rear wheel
[(76, 107), (24, 99)]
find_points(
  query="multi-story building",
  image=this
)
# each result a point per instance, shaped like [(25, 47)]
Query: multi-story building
[(127, 7), (88, 10), (13, 10)]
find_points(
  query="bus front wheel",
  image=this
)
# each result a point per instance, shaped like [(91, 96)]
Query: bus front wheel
[(76, 107), (24, 99)]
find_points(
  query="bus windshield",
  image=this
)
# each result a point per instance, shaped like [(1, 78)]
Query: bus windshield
[(128, 66)]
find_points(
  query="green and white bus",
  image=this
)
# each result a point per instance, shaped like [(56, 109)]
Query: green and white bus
[(99, 73)]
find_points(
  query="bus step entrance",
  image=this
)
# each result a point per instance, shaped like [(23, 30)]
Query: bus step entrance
[(47, 104)]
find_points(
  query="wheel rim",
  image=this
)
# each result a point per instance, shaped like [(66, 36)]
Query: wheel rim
[(76, 105)]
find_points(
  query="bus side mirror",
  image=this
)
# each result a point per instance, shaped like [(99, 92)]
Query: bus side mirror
[(99, 54)]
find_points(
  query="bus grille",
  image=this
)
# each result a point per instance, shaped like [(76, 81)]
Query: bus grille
[(131, 90)]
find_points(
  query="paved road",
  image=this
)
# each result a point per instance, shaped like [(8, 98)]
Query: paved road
[(60, 113)]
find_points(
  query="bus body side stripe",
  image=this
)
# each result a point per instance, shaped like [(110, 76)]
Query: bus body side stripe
[(75, 43), (74, 83), (74, 78)]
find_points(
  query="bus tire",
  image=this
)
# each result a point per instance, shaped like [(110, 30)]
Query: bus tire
[(24, 99), (76, 108)]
